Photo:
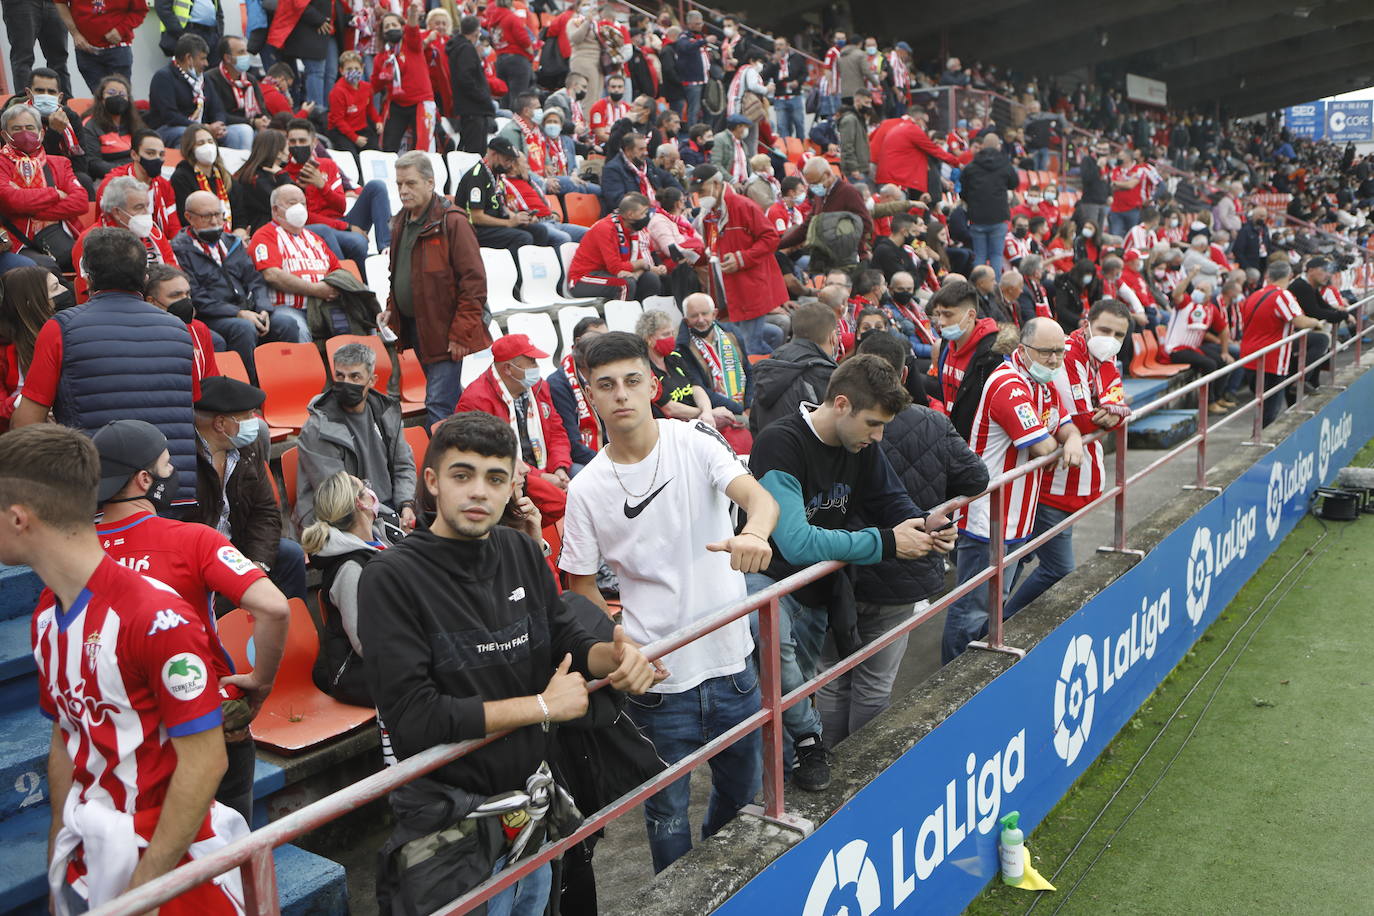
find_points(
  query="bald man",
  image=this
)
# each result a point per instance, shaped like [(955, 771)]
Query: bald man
[(1020, 417), (231, 297), (829, 193)]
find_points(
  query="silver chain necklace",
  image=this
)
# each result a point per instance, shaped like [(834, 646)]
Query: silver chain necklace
[(653, 480)]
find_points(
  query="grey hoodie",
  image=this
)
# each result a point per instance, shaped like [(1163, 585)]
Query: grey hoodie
[(343, 594)]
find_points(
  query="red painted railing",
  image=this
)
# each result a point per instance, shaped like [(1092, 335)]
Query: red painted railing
[(253, 854)]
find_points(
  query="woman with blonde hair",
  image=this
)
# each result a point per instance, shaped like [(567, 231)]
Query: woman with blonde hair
[(340, 542)]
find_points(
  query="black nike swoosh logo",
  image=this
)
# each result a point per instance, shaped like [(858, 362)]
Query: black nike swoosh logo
[(633, 511)]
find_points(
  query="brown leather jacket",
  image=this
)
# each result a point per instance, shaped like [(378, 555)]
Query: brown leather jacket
[(448, 283), (254, 518)]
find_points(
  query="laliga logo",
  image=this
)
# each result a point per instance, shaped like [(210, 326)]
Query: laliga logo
[(1074, 699), (851, 873), (1200, 568), (1334, 436), (1286, 483)]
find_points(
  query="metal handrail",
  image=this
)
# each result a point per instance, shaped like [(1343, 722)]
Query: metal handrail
[(748, 28), (253, 853)]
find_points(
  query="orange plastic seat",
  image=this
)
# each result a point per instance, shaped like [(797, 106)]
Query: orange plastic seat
[(297, 715), (1157, 358), (795, 152), (352, 267), (418, 438), (757, 357), (291, 374), (290, 472), (81, 106), (412, 380), (582, 209), (1139, 368), (372, 342), (231, 364)]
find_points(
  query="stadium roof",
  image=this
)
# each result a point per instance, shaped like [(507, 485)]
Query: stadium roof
[(1247, 55)]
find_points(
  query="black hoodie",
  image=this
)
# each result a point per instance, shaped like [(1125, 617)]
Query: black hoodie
[(984, 184), (797, 371), (451, 624)]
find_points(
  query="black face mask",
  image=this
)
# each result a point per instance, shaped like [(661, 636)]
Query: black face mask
[(161, 493), (705, 333), (640, 224), (63, 300), (210, 236), (302, 154), (500, 169), (151, 167), (393, 36), (581, 94), (706, 145), (117, 104), (183, 309), (349, 394), (1020, 232), (902, 296), (615, 96)]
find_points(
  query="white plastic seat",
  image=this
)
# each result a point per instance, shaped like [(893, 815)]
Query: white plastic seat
[(501, 278), (380, 166), (347, 164), (458, 164), (664, 304), (621, 316), (538, 326), (377, 272), (565, 255), (568, 317), (539, 276), (233, 159), (436, 162), (474, 364)]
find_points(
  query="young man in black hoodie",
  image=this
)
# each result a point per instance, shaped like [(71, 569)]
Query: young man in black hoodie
[(464, 635)]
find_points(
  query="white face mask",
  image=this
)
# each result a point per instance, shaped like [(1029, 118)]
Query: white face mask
[(296, 215), (1103, 348), (707, 203), (141, 225), (206, 153), (1088, 233), (1087, 279)]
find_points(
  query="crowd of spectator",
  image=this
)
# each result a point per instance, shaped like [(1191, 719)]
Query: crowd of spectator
[(881, 306)]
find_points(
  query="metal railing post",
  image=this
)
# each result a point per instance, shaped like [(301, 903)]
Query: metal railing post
[(1301, 382), (770, 686), (1118, 544), (1257, 435), (259, 874), (1359, 335), (1203, 405), (997, 552)]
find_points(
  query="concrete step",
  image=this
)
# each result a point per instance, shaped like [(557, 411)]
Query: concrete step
[(16, 650), (310, 885), (19, 590), (1162, 429), (1141, 391)]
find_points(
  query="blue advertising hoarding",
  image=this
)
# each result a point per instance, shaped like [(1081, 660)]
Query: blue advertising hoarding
[(922, 837), (1350, 121), (1307, 121)]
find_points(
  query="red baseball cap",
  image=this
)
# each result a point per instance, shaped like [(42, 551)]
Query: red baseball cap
[(513, 345)]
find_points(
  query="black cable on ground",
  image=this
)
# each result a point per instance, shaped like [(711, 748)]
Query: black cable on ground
[(1310, 555)]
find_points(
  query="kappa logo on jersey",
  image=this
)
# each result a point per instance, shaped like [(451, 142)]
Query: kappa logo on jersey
[(184, 676), (166, 620), (1026, 415), (238, 564)]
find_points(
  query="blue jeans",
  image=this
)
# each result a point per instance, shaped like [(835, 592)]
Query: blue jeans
[(315, 89), (1055, 556), (288, 571), (346, 244), (791, 116), (759, 334), (1119, 224), (567, 184), (528, 897), (827, 106), (801, 634), (693, 104), (443, 388), (1042, 159), (1236, 380), (97, 65), (372, 210), (284, 313), (238, 136), (331, 69), (680, 723), (988, 242), (967, 618)]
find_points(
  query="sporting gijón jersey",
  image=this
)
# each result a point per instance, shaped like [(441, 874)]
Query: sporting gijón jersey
[(1086, 385), (122, 671), (192, 560), (1014, 414)]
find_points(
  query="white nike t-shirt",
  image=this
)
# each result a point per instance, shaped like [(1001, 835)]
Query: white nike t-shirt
[(656, 543)]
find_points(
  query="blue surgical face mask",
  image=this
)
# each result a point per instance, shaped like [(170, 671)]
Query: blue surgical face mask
[(247, 434), (553, 130), (951, 331), (531, 377), (817, 189), (46, 104), (242, 62), (1199, 296), (1042, 374)]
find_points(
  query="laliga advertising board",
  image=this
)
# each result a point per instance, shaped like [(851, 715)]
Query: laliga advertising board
[(922, 837)]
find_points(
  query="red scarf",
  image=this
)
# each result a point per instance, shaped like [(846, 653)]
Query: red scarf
[(220, 189), (244, 95), (555, 159), (587, 425), (514, 199), (534, 148)]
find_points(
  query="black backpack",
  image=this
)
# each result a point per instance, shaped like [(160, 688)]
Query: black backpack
[(553, 66)]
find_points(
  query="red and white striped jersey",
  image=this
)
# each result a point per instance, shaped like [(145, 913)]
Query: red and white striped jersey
[(122, 671), (304, 255), (830, 76), (1174, 234), (1085, 385), (1141, 239), (1014, 249), (1267, 317), (1189, 324), (1149, 180), (1332, 297), (1013, 414), (604, 113)]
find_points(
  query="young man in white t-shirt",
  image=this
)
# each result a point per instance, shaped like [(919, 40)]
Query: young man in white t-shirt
[(655, 505)]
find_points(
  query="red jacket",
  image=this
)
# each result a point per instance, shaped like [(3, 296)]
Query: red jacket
[(351, 110), (484, 395), (757, 288), (39, 202), (121, 15), (409, 60), (327, 204), (903, 157), (164, 208), (156, 241), (514, 35), (599, 250)]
